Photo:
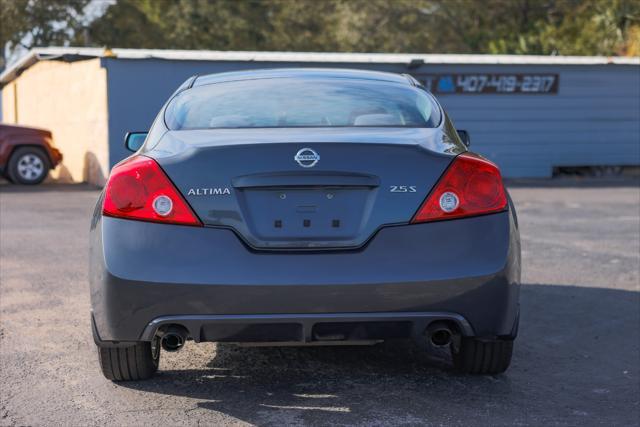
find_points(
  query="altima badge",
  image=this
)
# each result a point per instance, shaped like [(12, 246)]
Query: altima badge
[(307, 158), (216, 191)]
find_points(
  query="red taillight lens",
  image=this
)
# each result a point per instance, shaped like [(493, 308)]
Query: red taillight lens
[(139, 189), (471, 186)]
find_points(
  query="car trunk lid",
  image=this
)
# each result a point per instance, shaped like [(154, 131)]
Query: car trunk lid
[(300, 189)]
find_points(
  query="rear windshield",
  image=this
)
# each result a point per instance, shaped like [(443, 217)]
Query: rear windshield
[(284, 102)]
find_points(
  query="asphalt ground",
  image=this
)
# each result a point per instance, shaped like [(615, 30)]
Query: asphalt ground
[(576, 361)]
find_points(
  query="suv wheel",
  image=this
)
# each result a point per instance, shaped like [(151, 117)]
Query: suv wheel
[(28, 165), (138, 361), (483, 356)]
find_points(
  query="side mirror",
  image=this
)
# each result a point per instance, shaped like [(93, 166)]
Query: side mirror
[(134, 140), (464, 136)]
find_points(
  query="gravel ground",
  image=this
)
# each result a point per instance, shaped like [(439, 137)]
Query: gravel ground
[(576, 361)]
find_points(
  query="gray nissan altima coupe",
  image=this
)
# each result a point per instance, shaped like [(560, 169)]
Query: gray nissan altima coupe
[(303, 207)]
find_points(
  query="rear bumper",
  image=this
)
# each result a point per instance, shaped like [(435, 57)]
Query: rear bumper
[(56, 156), (144, 275), (306, 328)]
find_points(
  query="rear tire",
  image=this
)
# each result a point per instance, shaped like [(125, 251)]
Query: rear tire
[(485, 357), (138, 361), (28, 165)]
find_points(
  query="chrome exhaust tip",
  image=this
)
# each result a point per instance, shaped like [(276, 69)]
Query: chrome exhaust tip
[(172, 338), (439, 334)]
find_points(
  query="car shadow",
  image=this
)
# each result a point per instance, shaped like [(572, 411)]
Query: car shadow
[(576, 357)]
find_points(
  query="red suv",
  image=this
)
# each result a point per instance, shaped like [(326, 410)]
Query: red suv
[(26, 154)]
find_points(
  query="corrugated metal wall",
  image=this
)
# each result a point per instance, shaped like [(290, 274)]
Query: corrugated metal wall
[(594, 119)]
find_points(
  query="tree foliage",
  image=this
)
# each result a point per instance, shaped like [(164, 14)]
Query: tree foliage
[(566, 27), (29, 23)]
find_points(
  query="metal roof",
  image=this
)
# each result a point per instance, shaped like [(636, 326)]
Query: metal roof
[(75, 53)]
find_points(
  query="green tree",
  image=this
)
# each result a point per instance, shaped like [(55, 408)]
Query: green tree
[(184, 24), (572, 27), (544, 27), (127, 24), (30, 23), (585, 27)]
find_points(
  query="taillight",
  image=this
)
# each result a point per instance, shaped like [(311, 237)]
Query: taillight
[(139, 189), (471, 186)]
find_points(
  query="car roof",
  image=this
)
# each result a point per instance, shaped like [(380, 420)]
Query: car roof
[(301, 73)]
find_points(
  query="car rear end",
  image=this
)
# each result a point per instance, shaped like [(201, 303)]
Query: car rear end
[(27, 154), (305, 236)]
